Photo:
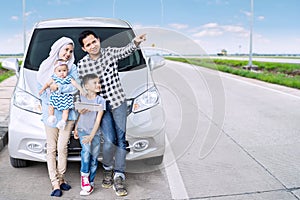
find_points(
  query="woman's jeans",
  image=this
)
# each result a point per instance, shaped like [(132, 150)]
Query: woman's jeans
[(113, 126), (89, 154)]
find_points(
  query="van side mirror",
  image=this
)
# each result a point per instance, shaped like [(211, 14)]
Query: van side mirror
[(156, 62), (11, 64)]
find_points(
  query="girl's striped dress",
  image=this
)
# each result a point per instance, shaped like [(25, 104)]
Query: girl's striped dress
[(61, 101)]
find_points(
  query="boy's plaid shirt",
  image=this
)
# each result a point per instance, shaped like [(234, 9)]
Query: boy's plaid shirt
[(106, 67)]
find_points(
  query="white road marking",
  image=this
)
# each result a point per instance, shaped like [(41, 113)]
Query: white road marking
[(224, 75), (176, 184)]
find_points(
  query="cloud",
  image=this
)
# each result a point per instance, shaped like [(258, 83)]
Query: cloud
[(210, 25), (137, 26), (247, 13), (58, 2), (14, 17), (141, 26), (208, 32), (64, 2), (178, 26), (239, 30), (261, 18), (28, 13), (214, 29), (217, 2), (233, 28)]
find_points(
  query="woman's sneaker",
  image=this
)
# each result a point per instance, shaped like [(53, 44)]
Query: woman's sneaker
[(85, 183), (107, 179), (86, 193), (119, 186)]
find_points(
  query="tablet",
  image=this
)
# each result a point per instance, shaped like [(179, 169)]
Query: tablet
[(88, 106)]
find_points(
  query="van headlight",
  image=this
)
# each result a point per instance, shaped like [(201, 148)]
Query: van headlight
[(140, 145), (27, 101), (146, 100), (35, 147)]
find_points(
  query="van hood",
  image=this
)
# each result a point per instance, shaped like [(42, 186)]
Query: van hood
[(133, 82)]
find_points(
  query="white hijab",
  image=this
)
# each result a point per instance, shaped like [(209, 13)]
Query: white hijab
[(46, 67)]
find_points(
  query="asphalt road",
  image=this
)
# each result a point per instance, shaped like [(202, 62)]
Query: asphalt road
[(228, 138)]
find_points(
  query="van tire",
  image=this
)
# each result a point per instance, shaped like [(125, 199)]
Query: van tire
[(154, 161), (18, 163)]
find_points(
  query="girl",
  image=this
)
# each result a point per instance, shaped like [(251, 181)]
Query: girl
[(58, 100)]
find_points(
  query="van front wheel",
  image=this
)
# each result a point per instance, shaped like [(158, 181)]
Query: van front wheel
[(18, 163)]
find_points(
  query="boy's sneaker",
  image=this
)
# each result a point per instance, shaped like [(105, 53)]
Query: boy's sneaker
[(119, 186), (107, 179), (85, 183), (85, 192), (61, 125)]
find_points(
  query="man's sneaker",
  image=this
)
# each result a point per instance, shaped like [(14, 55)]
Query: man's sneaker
[(86, 193), (107, 179), (119, 186), (85, 183)]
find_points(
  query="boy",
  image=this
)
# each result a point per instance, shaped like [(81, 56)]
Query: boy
[(88, 132)]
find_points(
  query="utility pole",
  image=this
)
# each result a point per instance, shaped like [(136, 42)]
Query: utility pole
[(250, 66), (251, 30)]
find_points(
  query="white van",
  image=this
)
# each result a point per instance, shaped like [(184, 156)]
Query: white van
[(145, 126)]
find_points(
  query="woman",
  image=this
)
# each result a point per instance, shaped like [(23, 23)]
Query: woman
[(57, 139)]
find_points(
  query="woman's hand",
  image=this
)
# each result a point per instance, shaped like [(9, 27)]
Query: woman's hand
[(83, 92), (53, 87), (41, 92)]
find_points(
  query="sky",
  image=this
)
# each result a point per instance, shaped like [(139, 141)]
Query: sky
[(184, 26)]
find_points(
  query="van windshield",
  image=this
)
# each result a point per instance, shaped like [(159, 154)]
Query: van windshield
[(42, 40)]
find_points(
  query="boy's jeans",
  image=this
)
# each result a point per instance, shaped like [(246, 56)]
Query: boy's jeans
[(89, 154), (113, 125)]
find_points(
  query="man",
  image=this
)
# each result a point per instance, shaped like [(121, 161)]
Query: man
[(104, 62)]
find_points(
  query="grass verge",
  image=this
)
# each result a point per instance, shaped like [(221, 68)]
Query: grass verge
[(285, 74), (4, 73)]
